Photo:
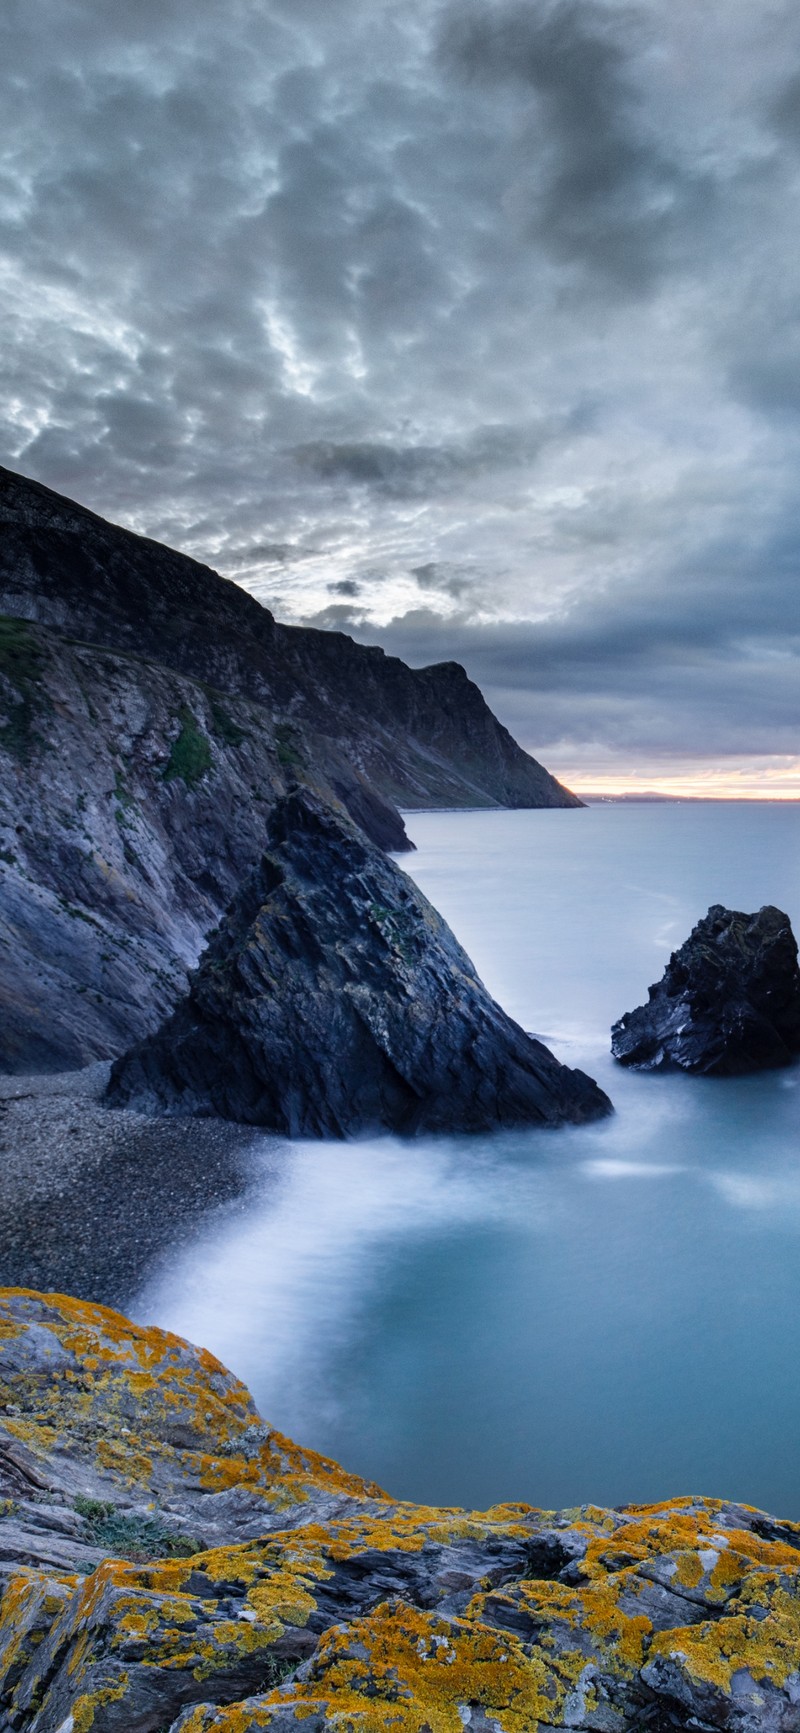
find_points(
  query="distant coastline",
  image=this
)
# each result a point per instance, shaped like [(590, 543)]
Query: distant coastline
[(647, 798)]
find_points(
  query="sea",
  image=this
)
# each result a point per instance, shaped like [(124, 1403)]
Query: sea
[(605, 1314)]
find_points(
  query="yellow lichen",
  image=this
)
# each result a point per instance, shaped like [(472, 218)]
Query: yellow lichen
[(85, 1708)]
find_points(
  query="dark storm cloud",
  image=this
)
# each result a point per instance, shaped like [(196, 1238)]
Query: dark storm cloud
[(444, 580), (598, 188), (702, 662), (415, 471), (638, 693), (490, 308)]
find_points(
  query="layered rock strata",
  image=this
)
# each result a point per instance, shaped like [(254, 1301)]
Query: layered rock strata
[(334, 1000), (419, 736), (150, 714), (728, 1001), (170, 1563)]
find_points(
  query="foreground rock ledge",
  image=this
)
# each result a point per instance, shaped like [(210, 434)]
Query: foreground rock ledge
[(172, 1565), (335, 1000), (728, 1001)]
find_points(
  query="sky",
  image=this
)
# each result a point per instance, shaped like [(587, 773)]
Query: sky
[(470, 329)]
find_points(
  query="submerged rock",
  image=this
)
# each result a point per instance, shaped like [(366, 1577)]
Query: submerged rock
[(345, 1609), (728, 1001), (335, 1000)]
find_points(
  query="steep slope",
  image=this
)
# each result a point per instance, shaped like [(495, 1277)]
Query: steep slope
[(420, 737), (334, 1000), (133, 801), (150, 714)]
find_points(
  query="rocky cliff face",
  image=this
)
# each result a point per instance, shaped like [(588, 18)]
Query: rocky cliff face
[(172, 1565), (421, 737), (132, 802), (728, 1001), (334, 1000), (150, 714)]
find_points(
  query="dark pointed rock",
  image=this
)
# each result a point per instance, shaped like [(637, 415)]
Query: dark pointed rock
[(335, 1000), (728, 1002)]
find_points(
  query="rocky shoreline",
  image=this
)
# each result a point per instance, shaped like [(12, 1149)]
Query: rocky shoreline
[(91, 1198), (170, 1564)]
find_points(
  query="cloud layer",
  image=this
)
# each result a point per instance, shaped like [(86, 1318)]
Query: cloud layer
[(473, 329)]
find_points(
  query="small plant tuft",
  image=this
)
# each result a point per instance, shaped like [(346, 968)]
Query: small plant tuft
[(225, 728), (288, 746), (20, 668), (190, 754), (134, 1537)]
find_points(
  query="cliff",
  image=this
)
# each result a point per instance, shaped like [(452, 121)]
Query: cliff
[(150, 714), (132, 802), (421, 737), (335, 1000), (172, 1565)]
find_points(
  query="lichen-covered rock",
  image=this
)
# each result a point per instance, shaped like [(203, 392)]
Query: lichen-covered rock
[(728, 1001), (365, 1615), (117, 1438), (335, 1000)]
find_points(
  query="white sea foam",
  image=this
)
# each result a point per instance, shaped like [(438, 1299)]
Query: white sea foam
[(522, 1316)]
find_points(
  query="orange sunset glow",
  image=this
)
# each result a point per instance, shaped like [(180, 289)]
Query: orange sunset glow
[(776, 778)]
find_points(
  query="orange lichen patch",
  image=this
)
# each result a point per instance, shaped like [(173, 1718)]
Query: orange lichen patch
[(595, 1514), (123, 1392), (121, 1459), (556, 1611), (696, 1547), (689, 1570), (292, 1607), (204, 1655), (309, 1554), (768, 1648), (85, 1708), (297, 1466), (31, 1432), (29, 1605), (624, 1635), (688, 1506), (411, 1529), (136, 1624), (239, 1718), (423, 1669)]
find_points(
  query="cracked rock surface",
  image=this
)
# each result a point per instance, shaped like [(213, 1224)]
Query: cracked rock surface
[(171, 1563), (150, 714), (335, 1000), (727, 1003)]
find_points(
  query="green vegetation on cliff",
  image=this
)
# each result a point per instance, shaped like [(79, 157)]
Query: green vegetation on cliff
[(20, 676), (190, 754)]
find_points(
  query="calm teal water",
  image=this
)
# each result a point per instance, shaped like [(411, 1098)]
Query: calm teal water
[(607, 1314)]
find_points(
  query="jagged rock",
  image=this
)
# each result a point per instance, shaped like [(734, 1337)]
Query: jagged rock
[(150, 713), (366, 1615), (419, 735), (160, 1446), (334, 1000), (728, 1001)]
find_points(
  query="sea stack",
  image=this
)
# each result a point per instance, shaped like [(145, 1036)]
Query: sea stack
[(728, 1001), (334, 1000)]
